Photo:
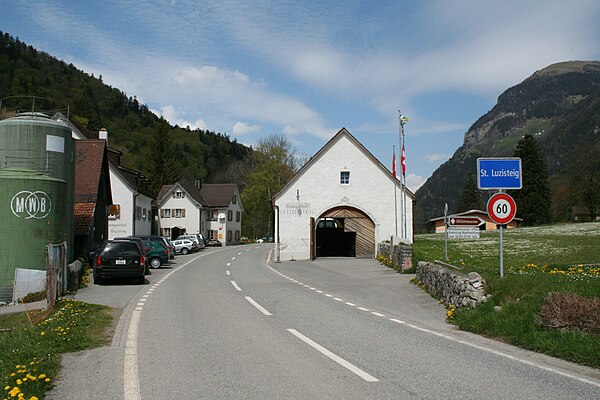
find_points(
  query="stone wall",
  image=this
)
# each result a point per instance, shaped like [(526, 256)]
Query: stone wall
[(453, 287), (400, 255)]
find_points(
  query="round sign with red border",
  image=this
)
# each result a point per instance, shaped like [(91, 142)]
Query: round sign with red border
[(501, 208)]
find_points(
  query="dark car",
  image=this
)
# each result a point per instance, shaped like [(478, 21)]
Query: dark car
[(119, 259), (156, 253), (140, 243)]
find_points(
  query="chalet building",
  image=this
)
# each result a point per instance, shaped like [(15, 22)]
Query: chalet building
[(582, 214), (437, 225), (214, 210), (341, 203)]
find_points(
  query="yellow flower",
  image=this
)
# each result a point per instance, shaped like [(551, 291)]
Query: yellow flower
[(43, 333), (6, 387), (47, 380), (19, 382), (33, 398), (42, 376)]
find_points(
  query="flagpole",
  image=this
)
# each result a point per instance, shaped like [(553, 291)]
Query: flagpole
[(395, 195), (402, 120), (402, 199)]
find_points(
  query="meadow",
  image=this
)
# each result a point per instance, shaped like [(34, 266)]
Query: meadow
[(549, 298)]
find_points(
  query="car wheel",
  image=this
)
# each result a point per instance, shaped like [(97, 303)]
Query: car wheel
[(184, 250), (155, 263)]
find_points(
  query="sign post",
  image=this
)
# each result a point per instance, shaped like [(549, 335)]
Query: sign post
[(502, 209), (500, 174)]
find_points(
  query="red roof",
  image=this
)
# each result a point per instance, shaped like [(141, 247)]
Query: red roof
[(89, 155), (84, 216)]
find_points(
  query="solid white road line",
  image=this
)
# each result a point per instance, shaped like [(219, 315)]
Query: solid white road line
[(498, 353), (235, 285), (131, 383), (258, 306), (352, 368)]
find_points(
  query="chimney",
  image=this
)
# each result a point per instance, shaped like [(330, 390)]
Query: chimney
[(198, 183), (103, 134)]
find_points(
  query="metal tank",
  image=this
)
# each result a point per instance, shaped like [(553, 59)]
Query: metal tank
[(32, 215), (35, 142)]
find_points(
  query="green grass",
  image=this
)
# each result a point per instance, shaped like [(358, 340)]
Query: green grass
[(536, 262), (31, 353)]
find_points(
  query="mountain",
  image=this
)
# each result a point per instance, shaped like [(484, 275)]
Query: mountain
[(559, 105), (94, 105)]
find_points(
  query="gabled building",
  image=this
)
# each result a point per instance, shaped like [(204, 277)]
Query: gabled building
[(342, 202), (93, 196), (131, 210), (214, 210)]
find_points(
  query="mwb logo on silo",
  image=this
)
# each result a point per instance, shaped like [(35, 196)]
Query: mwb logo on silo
[(26, 204)]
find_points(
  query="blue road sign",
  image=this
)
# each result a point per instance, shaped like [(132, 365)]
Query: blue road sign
[(499, 173)]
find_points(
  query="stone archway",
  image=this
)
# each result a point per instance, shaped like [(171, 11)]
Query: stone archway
[(344, 231)]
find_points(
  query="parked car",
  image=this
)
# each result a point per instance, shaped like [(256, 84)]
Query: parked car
[(157, 254), (156, 238), (140, 243), (119, 258), (185, 246), (214, 242), (198, 238)]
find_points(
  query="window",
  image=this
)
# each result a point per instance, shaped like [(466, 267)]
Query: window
[(165, 213), (237, 235), (229, 215), (229, 236), (144, 214), (138, 212), (179, 195), (213, 235), (179, 213), (345, 177), (215, 215), (238, 216), (234, 200), (165, 232)]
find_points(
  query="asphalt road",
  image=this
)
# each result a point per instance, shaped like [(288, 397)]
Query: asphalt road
[(223, 324)]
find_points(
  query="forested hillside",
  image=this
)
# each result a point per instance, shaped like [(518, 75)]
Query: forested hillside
[(560, 107), (95, 105)]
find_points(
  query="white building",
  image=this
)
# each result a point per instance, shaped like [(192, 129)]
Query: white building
[(214, 210), (342, 202)]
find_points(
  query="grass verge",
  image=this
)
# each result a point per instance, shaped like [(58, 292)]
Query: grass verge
[(560, 258), (31, 352)]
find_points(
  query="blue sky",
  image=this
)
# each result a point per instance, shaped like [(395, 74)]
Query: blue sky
[(308, 68)]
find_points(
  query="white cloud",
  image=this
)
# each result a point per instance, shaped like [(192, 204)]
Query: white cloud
[(414, 182), (241, 128), (170, 114), (437, 157)]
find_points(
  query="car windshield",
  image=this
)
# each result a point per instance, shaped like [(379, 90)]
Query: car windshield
[(123, 249)]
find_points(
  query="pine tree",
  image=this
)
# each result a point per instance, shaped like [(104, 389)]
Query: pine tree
[(470, 198), (534, 199), (163, 167)]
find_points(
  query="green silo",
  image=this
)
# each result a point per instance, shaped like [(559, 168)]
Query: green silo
[(33, 215), (36, 142)]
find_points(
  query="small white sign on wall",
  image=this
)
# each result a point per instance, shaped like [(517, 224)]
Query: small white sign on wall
[(55, 143)]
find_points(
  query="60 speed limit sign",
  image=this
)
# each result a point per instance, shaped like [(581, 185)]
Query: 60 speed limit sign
[(501, 208)]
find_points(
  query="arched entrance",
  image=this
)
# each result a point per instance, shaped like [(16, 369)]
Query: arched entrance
[(344, 232)]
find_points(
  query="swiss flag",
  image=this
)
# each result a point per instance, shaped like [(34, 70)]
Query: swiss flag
[(403, 162)]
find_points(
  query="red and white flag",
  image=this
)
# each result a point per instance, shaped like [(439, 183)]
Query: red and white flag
[(403, 162)]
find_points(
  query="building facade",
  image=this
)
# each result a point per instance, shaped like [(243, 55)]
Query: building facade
[(342, 202)]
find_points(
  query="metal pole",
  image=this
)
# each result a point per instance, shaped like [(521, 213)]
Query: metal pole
[(501, 255), (446, 230), (402, 199), (395, 195)]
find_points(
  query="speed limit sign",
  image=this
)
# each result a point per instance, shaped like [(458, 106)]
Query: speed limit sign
[(501, 208)]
